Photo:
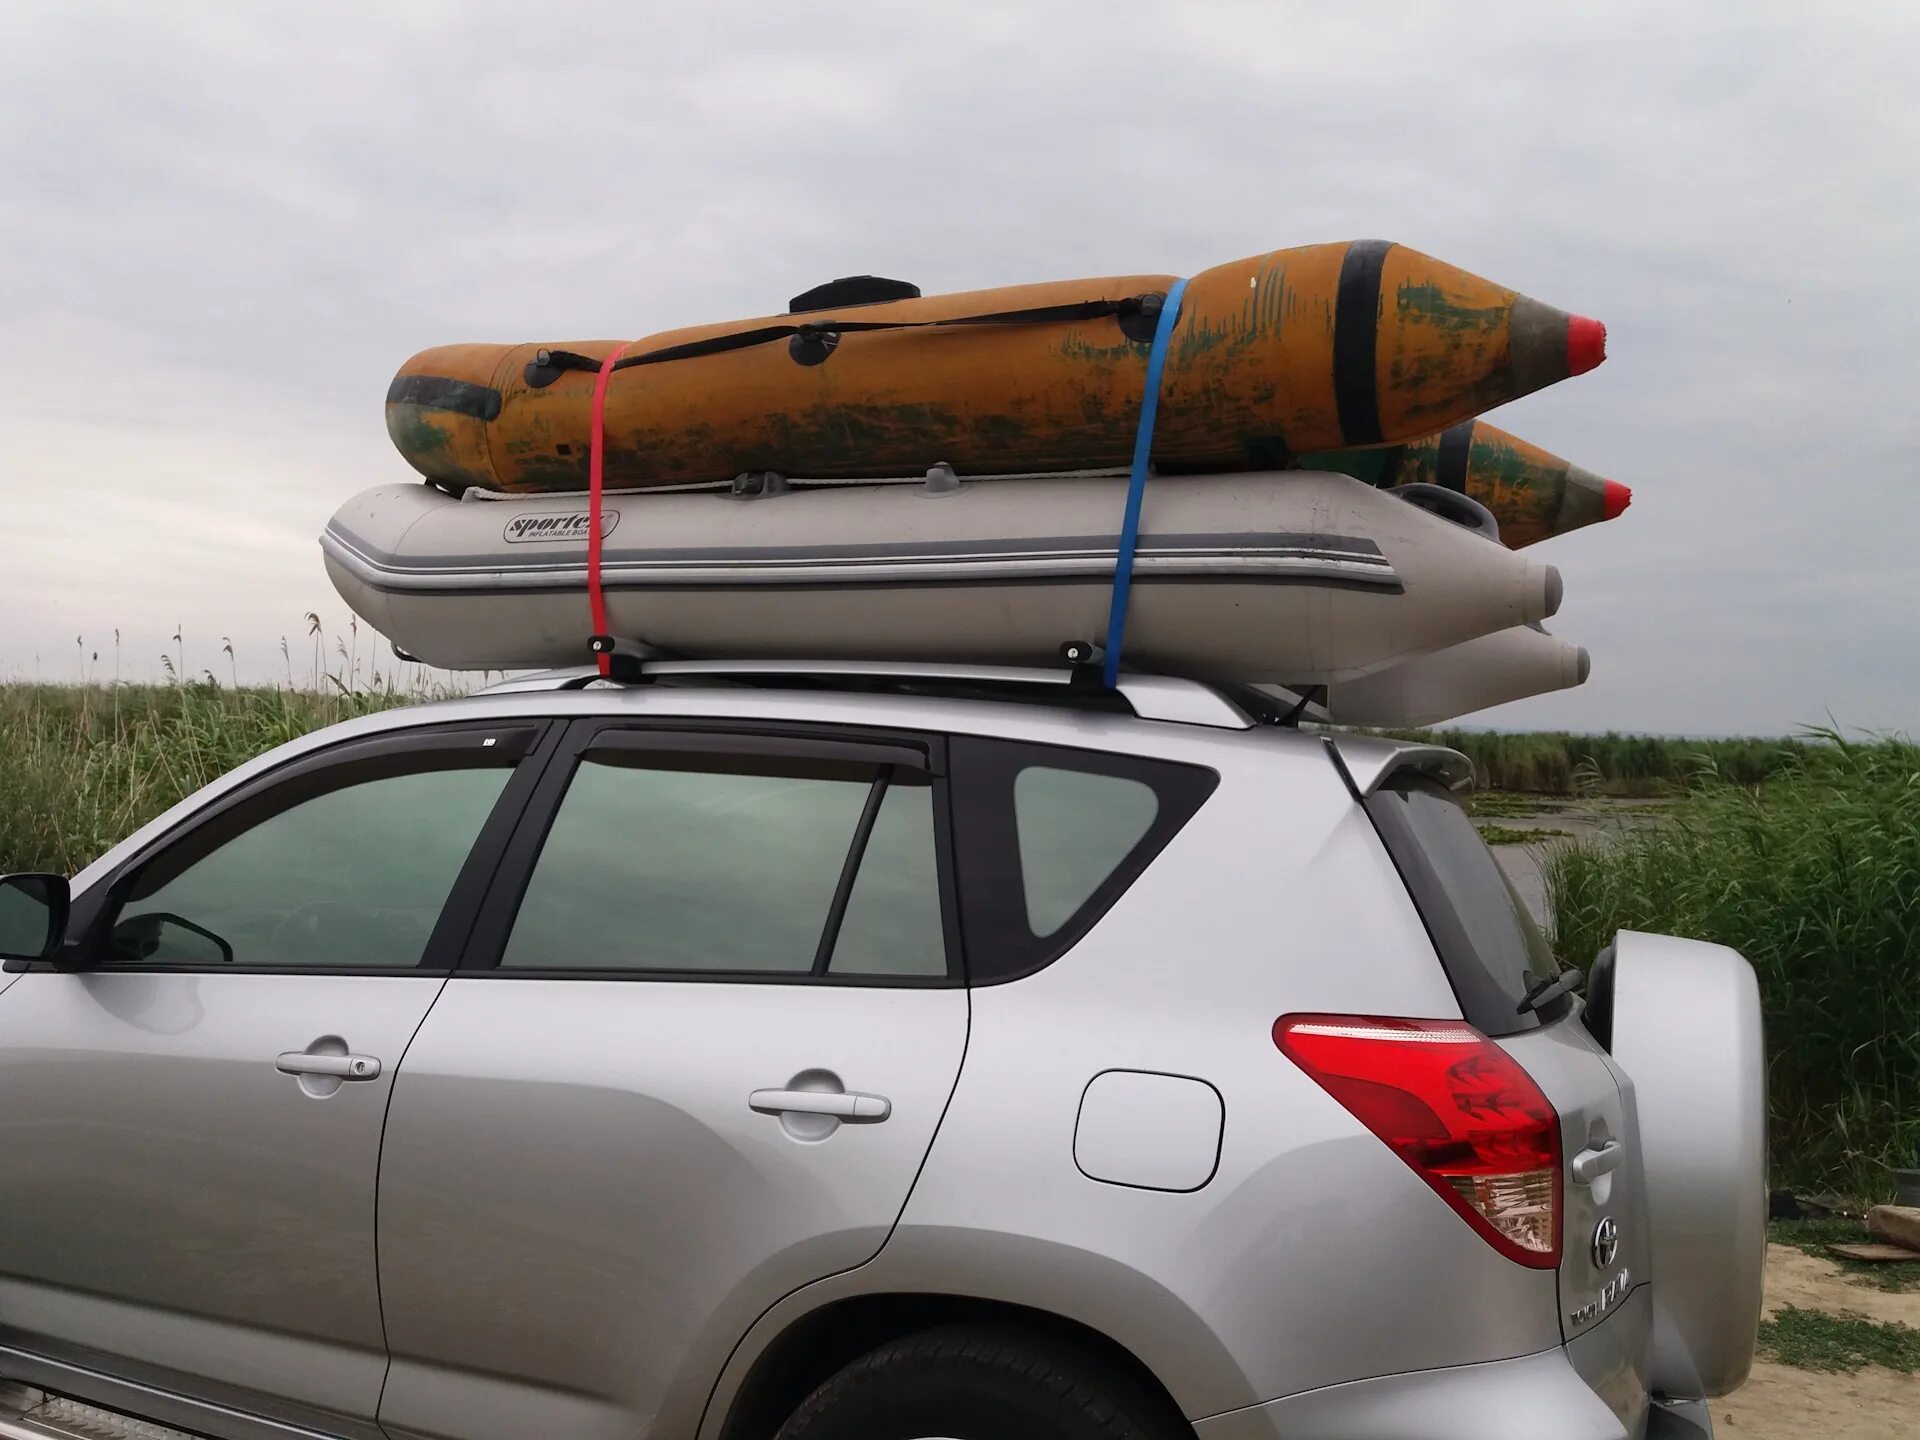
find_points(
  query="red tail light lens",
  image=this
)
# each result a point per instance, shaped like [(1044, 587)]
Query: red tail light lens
[(1456, 1107)]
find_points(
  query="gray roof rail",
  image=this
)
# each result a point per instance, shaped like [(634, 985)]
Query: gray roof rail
[(1150, 697)]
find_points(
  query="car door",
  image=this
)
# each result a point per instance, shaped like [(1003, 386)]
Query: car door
[(190, 1114), (710, 1021)]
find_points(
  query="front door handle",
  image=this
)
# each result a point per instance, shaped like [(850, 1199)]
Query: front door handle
[(851, 1109), (1590, 1164), (340, 1067)]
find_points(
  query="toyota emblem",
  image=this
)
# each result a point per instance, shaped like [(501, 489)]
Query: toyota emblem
[(1606, 1243)]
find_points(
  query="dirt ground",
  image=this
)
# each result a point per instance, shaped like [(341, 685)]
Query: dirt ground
[(1782, 1403)]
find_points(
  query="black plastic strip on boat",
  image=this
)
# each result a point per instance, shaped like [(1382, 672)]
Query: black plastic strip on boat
[(1132, 311), (751, 563), (436, 392), (1356, 332), (1252, 544), (1450, 467), (1386, 584)]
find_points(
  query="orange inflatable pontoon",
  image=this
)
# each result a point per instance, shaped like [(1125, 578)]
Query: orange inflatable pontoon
[(1533, 493), (1314, 348)]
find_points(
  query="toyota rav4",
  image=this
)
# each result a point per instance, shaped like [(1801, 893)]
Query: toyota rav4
[(856, 1052)]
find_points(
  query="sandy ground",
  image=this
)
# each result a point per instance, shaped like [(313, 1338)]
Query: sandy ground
[(1781, 1403), (1778, 1402)]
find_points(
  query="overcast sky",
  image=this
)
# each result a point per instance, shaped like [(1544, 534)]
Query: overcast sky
[(223, 227)]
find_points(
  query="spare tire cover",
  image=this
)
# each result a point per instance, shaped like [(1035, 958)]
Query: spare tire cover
[(1685, 1026)]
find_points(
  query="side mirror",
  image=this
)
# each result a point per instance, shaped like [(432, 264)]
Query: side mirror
[(33, 916)]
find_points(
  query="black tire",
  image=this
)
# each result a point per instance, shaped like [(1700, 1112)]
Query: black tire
[(982, 1382)]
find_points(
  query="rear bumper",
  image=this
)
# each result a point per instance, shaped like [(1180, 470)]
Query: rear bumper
[(1680, 1420), (1534, 1397)]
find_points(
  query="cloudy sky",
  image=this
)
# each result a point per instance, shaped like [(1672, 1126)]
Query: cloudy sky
[(224, 225)]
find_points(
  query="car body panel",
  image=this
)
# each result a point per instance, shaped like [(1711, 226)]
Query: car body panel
[(180, 1213), (595, 1285), (1529, 1397), (1573, 1072), (1269, 1278), (1581, 1391), (1613, 1358)]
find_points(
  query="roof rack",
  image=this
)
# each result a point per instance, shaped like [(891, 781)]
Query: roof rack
[(1149, 697)]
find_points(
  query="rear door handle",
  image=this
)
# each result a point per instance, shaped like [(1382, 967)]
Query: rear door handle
[(340, 1067), (1590, 1164), (852, 1109)]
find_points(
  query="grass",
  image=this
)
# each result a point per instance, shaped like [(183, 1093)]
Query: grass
[(1560, 763), (1815, 1340), (83, 766), (1813, 1237), (1514, 835), (1815, 878)]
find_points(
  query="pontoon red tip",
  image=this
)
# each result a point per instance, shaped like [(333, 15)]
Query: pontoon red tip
[(1586, 344)]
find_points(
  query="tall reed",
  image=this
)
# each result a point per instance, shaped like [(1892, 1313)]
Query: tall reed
[(1554, 762), (1815, 878)]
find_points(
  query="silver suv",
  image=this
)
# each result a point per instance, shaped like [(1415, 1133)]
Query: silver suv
[(856, 1052)]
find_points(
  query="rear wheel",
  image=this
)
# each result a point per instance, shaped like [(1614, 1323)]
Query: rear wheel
[(976, 1382)]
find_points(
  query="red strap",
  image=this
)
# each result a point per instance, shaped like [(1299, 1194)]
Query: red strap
[(596, 477)]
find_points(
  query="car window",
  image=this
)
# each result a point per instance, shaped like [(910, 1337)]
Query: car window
[(892, 922), (1492, 949), (1047, 838), (347, 870), (688, 863), (1075, 828)]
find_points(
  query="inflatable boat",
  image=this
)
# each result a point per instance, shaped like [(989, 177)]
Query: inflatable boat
[(1305, 349), (1533, 493), (1474, 675), (1303, 578)]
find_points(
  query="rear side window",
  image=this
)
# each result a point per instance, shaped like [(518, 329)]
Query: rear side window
[(1048, 838), (1075, 828), (689, 864), (892, 925), (1492, 950)]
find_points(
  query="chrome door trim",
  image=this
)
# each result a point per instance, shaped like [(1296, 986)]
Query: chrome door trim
[(162, 1407), (340, 1067), (1597, 1160), (853, 1108)]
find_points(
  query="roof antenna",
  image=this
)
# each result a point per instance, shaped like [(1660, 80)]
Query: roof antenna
[(1291, 720)]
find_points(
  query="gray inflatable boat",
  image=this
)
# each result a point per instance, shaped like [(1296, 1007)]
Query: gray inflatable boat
[(1445, 684), (1295, 578)]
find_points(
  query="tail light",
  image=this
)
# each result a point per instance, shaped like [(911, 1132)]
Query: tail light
[(1456, 1107)]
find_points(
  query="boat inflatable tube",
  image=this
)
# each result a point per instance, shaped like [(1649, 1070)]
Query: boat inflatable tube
[(1445, 684), (1307, 579), (1312, 348), (1533, 493)]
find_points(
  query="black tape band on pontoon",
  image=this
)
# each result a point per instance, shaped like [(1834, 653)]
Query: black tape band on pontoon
[(548, 365)]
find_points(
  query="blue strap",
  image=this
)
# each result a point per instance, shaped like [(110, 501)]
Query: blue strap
[(1137, 485)]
